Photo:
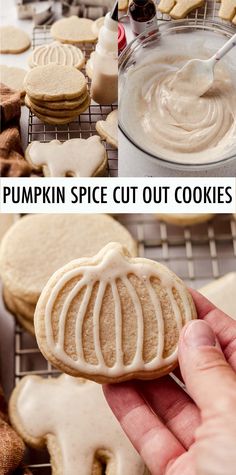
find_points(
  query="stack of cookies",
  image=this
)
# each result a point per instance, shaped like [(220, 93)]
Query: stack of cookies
[(37, 245), (56, 94)]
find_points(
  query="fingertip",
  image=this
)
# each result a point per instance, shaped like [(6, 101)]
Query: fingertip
[(202, 304)]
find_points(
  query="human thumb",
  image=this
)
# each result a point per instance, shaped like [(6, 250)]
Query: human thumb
[(209, 379)]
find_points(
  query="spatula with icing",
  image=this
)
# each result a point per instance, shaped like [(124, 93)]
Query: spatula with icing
[(197, 75)]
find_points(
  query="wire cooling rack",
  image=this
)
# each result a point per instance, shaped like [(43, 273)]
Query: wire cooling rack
[(84, 125), (208, 11), (198, 254)]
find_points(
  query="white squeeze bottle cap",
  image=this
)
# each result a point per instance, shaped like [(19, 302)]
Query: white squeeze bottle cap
[(107, 38)]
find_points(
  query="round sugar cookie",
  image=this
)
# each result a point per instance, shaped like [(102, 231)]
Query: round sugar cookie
[(13, 78), (54, 82), (44, 111), (113, 317), (59, 105), (51, 119), (74, 30), (13, 40), (57, 53), (17, 305), (184, 219), (37, 245)]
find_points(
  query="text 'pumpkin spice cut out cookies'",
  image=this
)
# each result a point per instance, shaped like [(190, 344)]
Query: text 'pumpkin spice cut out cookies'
[(112, 317), (72, 418)]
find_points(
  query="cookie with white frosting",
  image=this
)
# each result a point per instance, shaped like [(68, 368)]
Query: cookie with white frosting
[(112, 317), (75, 157), (72, 418)]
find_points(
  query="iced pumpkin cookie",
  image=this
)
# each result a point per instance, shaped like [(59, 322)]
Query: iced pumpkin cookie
[(112, 317), (72, 418), (57, 53)]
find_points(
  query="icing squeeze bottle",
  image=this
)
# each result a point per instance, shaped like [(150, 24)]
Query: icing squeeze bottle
[(104, 87)]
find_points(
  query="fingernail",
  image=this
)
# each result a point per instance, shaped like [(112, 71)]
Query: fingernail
[(199, 333)]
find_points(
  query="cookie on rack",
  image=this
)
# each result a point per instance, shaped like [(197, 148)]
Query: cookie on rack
[(36, 413), (112, 317), (75, 157), (57, 53), (53, 84), (178, 9), (25, 266), (108, 129), (222, 293), (74, 30), (90, 65), (97, 25), (185, 219), (13, 40), (228, 10), (13, 78)]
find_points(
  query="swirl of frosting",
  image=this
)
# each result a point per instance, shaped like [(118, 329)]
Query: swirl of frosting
[(175, 123), (58, 53)]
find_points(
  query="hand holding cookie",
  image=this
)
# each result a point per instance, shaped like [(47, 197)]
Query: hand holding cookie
[(194, 432), (113, 317)]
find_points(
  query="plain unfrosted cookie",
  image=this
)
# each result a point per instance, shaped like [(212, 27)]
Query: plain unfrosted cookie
[(178, 9), (228, 10), (75, 157), (90, 65), (112, 318), (56, 114), (69, 105), (123, 5), (57, 53), (55, 82), (187, 219), (6, 221), (65, 119), (108, 129), (72, 418), (74, 30), (13, 40), (13, 78), (38, 245), (222, 293), (97, 25)]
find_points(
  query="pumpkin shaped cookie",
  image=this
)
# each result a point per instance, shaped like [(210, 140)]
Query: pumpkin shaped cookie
[(112, 317)]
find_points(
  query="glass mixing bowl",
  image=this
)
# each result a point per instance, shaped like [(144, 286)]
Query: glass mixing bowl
[(186, 37)]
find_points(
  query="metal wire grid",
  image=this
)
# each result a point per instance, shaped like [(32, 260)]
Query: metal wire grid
[(208, 11), (197, 254), (84, 125)]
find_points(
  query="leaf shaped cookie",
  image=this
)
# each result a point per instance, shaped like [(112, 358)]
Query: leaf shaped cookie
[(112, 317), (179, 8)]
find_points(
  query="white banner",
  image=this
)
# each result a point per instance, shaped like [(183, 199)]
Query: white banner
[(112, 195)]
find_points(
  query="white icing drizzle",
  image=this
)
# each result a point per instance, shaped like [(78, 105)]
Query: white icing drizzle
[(58, 53), (105, 268), (76, 414)]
